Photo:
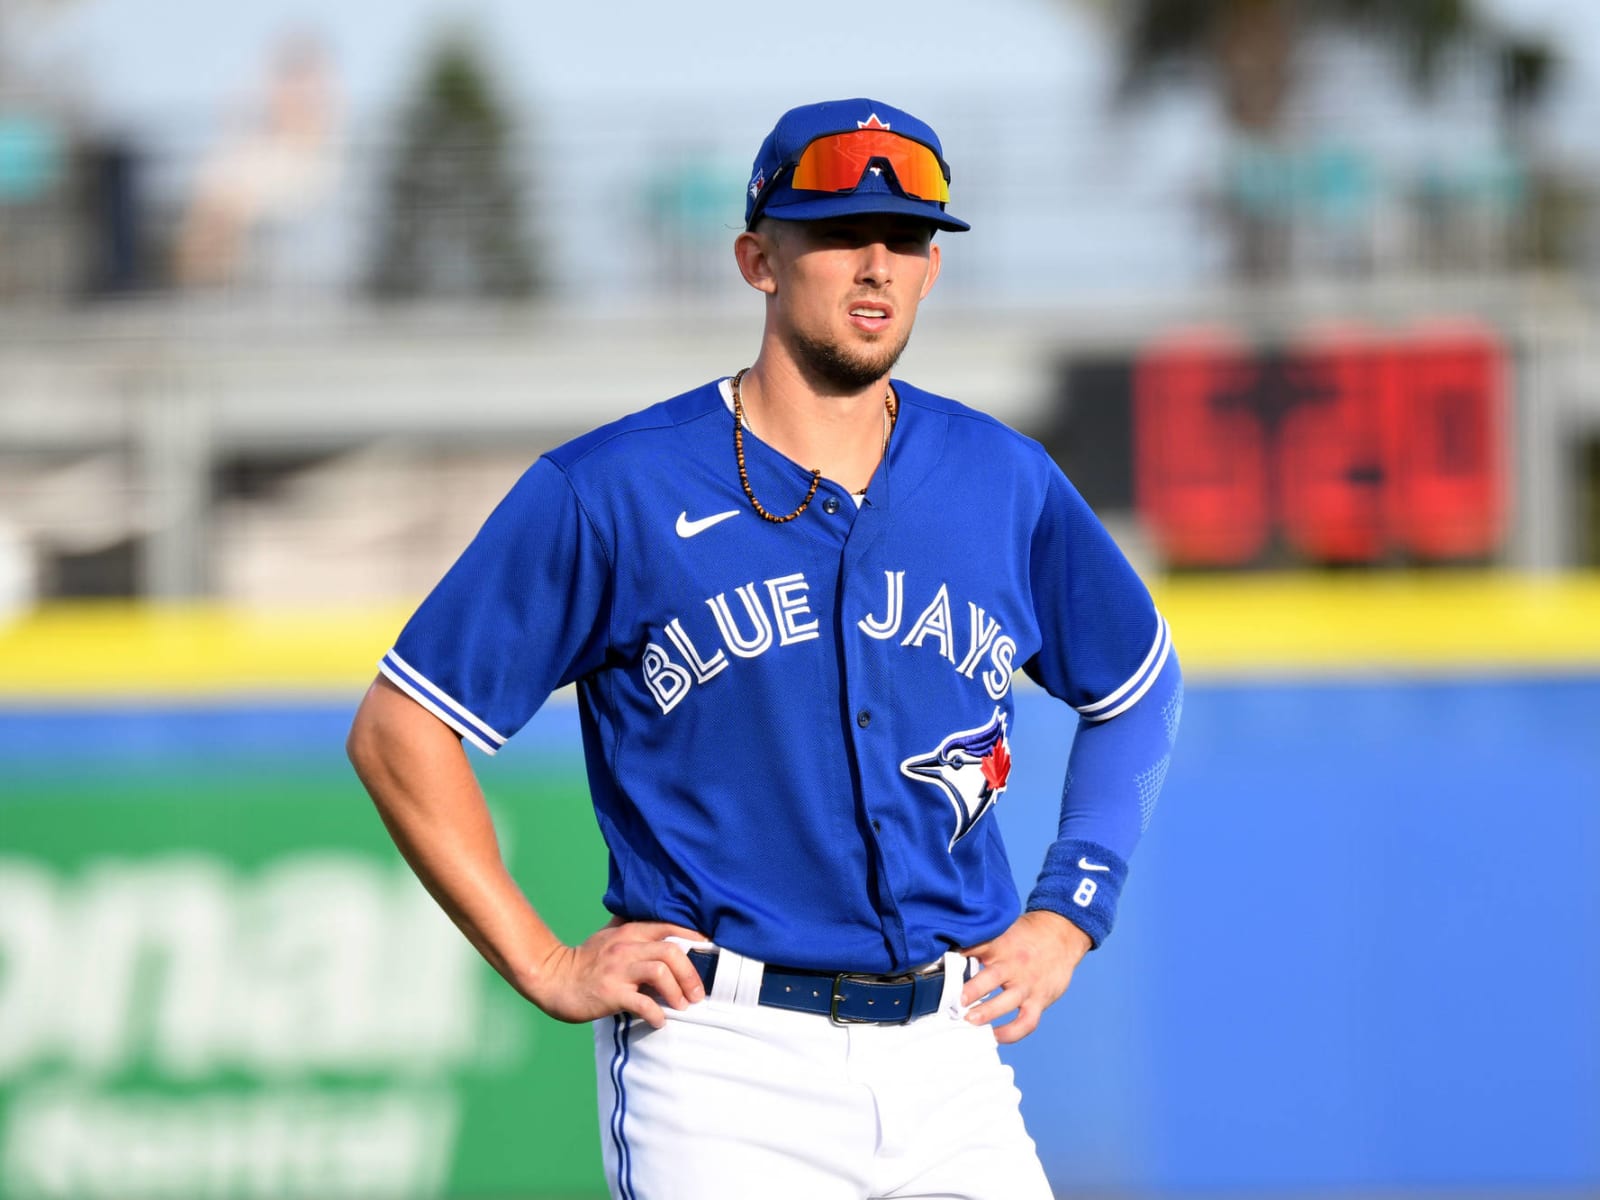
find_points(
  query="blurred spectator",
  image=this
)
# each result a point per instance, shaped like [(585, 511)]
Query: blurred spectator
[(30, 157), (1467, 209), (1305, 207), (272, 171), (33, 158), (685, 207), (112, 207)]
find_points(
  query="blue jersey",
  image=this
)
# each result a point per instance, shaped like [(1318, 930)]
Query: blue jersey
[(795, 733)]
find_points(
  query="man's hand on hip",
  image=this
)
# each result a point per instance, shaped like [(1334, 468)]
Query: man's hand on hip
[(624, 967), (1028, 967)]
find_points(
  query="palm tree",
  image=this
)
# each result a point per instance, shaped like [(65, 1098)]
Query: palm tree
[(1251, 53)]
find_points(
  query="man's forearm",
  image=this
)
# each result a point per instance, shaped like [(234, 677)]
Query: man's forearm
[(414, 768), (417, 774), (1114, 778)]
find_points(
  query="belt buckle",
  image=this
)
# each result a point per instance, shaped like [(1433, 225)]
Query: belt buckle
[(857, 977)]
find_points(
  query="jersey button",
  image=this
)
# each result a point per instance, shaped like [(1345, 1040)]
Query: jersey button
[(830, 505), (877, 825), (863, 718)]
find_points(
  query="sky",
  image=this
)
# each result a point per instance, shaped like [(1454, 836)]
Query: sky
[(143, 57), (150, 55)]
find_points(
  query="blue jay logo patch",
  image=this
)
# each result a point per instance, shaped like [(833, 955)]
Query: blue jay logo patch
[(970, 767)]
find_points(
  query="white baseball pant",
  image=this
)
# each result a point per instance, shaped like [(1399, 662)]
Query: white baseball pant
[(732, 1100)]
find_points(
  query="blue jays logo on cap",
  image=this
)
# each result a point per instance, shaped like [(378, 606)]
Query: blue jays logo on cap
[(970, 767), (769, 192)]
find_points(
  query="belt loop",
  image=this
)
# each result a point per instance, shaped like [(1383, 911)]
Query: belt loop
[(957, 969), (747, 988), (737, 979)]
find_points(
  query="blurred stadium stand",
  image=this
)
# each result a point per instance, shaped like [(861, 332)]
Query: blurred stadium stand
[(255, 432)]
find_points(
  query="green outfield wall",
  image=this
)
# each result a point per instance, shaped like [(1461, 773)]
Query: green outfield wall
[(217, 979)]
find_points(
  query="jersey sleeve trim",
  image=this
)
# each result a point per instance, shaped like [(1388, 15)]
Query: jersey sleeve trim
[(1137, 684), (439, 702)]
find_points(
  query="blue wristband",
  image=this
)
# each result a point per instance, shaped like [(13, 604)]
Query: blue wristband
[(1082, 882)]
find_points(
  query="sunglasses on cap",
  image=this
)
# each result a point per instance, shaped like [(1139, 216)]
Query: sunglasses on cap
[(836, 163)]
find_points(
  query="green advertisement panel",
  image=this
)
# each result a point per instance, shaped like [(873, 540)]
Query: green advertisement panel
[(218, 980)]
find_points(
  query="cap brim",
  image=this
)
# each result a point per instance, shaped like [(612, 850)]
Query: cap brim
[(856, 204)]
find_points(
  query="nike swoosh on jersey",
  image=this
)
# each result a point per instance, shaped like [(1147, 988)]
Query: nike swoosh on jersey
[(688, 528), (1085, 865)]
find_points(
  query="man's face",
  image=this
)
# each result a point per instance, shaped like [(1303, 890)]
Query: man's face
[(845, 292)]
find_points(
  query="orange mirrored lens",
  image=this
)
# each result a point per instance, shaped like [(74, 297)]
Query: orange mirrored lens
[(835, 164)]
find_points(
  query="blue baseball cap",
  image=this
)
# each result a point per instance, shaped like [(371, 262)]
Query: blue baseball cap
[(877, 189)]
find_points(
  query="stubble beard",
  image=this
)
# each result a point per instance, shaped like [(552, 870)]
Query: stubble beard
[(843, 370)]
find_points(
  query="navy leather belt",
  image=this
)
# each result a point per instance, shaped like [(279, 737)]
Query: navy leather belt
[(845, 998)]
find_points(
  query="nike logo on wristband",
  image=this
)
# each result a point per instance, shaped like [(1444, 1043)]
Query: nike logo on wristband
[(1085, 865), (688, 528)]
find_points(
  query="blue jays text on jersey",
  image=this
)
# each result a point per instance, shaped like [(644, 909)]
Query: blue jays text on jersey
[(784, 603), (794, 733)]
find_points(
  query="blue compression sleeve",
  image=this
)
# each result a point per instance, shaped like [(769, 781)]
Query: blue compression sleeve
[(1114, 779)]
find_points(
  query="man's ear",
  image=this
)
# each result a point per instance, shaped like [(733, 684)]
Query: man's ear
[(933, 269), (753, 250)]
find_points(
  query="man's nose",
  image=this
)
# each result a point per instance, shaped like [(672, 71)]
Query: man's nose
[(876, 266)]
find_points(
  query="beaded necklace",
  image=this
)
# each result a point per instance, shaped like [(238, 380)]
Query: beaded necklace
[(890, 415)]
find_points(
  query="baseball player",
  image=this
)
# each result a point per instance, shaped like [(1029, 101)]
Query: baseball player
[(793, 601)]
